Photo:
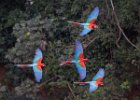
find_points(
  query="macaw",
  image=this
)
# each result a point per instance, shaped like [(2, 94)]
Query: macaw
[(90, 23), (37, 65), (78, 60), (96, 81)]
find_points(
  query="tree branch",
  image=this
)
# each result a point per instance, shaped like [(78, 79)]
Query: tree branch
[(121, 30), (94, 38), (71, 91), (118, 39), (44, 83)]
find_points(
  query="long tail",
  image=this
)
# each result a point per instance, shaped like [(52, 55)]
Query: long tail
[(24, 65), (81, 83), (75, 23), (65, 62)]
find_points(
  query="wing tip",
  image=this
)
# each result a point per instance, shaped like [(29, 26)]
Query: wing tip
[(92, 88), (81, 34), (96, 8), (82, 76), (38, 49), (77, 41), (102, 69)]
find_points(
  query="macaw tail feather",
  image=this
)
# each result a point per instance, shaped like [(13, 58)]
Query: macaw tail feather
[(24, 65), (75, 23), (65, 62), (81, 83)]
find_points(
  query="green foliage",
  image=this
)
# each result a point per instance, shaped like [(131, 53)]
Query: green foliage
[(129, 16), (43, 24), (125, 85)]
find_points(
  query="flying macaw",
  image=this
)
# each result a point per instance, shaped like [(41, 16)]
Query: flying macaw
[(90, 23), (78, 60), (37, 65), (96, 81)]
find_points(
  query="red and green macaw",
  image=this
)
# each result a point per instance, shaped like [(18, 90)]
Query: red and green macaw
[(78, 60), (90, 23), (37, 65), (96, 81)]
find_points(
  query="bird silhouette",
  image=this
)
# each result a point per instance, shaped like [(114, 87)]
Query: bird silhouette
[(78, 60), (90, 23), (36, 65), (96, 81)]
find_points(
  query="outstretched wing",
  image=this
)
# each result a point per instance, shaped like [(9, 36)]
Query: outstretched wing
[(38, 55), (100, 74), (92, 87), (85, 31), (78, 49), (37, 69), (93, 16), (37, 73), (81, 70)]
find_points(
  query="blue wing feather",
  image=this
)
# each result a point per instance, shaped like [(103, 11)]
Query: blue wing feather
[(94, 14), (37, 74), (81, 71), (92, 87), (85, 31), (78, 49), (38, 55), (100, 74)]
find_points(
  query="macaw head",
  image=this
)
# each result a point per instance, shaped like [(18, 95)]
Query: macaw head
[(43, 65), (99, 82), (95, 26)]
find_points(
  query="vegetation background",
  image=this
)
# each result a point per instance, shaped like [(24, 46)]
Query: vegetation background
[(28, 24)]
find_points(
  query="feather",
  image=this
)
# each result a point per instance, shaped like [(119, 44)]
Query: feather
[(100, 74), (81, 71), (93, 15), (78, 49)]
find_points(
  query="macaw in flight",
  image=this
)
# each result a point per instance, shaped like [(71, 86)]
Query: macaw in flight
[(78, 60), (96, 81), (37, 65), (90, 23)]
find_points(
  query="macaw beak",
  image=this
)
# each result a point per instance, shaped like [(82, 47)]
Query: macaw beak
[(43, 65), (86, 59), (62, 63), (101, 83), (96, 26)]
